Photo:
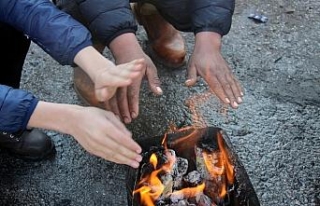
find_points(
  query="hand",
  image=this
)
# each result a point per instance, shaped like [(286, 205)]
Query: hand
[(102, 134), (207, 62), (97, 131), (108, 80), (105, 75), (125, 103)]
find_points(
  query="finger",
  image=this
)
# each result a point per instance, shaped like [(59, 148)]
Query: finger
[(131, 69), (123, 74), (216, 87), (192, 76), (133, 99), (113, 103), (120, 133), (122, 100), (119, 154), (226, 84), (236, 89), (154, 81)]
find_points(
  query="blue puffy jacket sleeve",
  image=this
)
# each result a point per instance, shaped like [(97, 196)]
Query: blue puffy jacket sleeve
[(16, 107), (54, 31)]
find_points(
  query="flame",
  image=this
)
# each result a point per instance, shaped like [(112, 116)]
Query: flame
[(225, 160), (218, 165), (152, 186), (189, 191)]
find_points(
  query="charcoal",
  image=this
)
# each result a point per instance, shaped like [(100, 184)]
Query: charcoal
[(180, 167), (167, 182), (204, 200), (193, 178), (176, 197), (178, 183), (200, 164), (212, 190)]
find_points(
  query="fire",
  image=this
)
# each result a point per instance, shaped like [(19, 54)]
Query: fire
[(190, 191), (152, 187), (217, 164)]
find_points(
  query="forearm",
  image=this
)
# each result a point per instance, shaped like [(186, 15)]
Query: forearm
[(53, 30), (54, 116), (91, 61)]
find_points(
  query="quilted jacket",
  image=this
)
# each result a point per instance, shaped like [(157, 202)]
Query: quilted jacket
[(54, 31)]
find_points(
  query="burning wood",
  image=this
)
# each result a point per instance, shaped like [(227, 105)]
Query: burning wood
[(168, 179), (190, 167)]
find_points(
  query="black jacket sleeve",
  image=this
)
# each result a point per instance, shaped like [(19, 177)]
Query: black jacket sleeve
[(212, 15), (107, 19)]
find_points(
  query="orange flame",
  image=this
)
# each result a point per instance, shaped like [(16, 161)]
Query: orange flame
[(218, 165), (151, 187), (225, 159), (189, 191)]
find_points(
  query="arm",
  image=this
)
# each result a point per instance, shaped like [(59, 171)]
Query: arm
[(53, 30), (98, 14), (212, 15), (211, 20)]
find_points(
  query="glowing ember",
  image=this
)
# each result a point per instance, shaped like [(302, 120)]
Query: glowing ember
[(209, 181)]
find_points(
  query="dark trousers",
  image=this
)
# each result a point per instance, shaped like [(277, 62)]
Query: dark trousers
[(14, 46)]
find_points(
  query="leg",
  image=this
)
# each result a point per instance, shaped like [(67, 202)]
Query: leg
[(14, 48), (166, 45), (83, 85), (30, 144)]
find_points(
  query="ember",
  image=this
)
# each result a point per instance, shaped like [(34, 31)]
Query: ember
[(191, 167)]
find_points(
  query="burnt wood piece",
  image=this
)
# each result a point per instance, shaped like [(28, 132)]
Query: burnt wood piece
[(241, 193)]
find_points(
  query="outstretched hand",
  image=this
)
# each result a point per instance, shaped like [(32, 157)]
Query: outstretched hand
[(125, 103), (108, 80), (102, 134), (207, 62)]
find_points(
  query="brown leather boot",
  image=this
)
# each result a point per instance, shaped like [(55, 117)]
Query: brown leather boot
[(84, 86), (166, 44)]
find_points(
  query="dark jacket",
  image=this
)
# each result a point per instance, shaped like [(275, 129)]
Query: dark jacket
[(198, 15), (108, 19), (54, 31)]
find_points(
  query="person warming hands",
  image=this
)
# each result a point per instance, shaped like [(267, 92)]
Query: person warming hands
[(209, 20), (67, 41)]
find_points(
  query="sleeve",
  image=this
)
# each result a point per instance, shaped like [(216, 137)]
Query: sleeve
[(16, 108), (212, 15), (107, 19), (54, 31)]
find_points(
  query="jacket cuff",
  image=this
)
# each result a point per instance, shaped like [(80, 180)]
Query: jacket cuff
[(34, 102)]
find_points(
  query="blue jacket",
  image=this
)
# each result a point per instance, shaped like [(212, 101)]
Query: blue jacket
[(55, 32)]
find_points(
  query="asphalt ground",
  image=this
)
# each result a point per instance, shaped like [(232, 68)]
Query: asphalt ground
[(276, 131)]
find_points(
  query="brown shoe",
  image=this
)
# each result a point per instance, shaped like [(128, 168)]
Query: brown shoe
[(165, 42)]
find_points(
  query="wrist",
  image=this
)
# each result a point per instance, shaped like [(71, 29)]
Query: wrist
[(125, 46), (91, 62), (208, 38), (54, 116)]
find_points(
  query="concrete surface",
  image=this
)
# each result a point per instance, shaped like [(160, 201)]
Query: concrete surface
[(276, 131)]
